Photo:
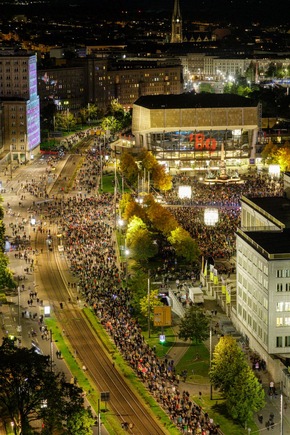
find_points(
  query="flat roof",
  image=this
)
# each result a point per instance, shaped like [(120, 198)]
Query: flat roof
[(194, 101), (273, 242), (276, 206)]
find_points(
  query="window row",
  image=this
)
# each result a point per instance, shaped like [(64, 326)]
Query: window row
[(283, 273), (283, 306), (280, 287), (282, 321), (279, 341)]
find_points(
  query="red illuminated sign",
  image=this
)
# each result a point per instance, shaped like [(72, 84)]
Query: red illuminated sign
[(202, 143)]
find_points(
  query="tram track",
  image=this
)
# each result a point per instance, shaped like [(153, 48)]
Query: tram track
[(124, 403)]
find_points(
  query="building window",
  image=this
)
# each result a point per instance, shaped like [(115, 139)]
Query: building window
[(279, 306), (279, 321), (287, 341), (254, 325), (283, 273), (287, 286), (279, 342), (279, 273), (244, 314), (287, 306), (279, 287), (287, 321)]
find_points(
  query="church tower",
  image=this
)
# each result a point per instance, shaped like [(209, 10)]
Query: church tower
[(176, 24)]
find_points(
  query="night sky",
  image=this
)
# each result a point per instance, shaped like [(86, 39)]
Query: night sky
[(223, 11), (266, 11)]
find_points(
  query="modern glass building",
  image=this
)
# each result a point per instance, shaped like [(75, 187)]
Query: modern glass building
[(198, 130)]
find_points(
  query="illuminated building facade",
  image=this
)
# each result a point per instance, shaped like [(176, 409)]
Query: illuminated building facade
[(20, 106), (101, 80), (62, 86), (196, 130), (127, 80), (263, 277)]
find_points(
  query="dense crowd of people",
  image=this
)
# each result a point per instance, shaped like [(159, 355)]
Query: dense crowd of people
[(218, 241), (88, 223), (257, 184)]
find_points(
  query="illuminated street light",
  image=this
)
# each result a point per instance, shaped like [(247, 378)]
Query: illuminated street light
[(211, 216), (127, 253)]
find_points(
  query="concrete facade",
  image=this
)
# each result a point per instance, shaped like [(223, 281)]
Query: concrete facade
[(262, 311)]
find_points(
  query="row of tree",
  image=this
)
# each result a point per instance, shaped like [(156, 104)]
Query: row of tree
[(116, 118), (150, 226), (6, 276), (132, 167)]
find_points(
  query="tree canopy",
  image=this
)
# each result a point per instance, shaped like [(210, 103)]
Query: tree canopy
[(185, 246), (6, 276), (129, 168), (65, 120), (245, 396), (154, 301), (194, 326), (30, 391), (279, 155), (231, 374)]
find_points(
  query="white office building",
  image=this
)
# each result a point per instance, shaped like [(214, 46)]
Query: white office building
[(263, 279)]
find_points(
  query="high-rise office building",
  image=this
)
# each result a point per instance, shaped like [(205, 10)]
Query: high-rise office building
[(263, 277), (20, 126)]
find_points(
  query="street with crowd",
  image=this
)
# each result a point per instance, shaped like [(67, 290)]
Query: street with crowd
[(87, 222)]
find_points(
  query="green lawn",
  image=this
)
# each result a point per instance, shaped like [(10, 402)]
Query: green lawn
[(108, 182), (161, 348), (196, 362)]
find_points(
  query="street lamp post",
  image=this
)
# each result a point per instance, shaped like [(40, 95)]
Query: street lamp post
[(281, 412), (149, 304), (115, 190), (19, 323), (99, 418), (101, 167), (11, 155), (210, 356)]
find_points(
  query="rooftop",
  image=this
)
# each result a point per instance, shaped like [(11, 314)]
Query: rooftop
[(276, 206), (192, 101), (273, 242)]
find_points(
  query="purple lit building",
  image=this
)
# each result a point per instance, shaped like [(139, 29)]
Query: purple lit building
[(19, 102)]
